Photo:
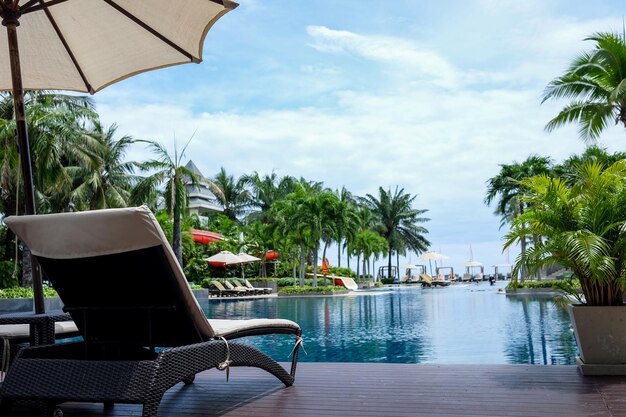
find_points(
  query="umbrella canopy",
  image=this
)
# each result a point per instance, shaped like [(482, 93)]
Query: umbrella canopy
[(224, 258), (247, 258), (432, 256), (86, 45)]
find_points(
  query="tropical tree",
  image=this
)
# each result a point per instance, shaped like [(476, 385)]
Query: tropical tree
[(398, 222), (107, 181), (595, 84), (346, 221), (169, 171), (235, 197), (507, 186), (265, 190), (568, 169), (55, 126), (366, 244), (582, 226)]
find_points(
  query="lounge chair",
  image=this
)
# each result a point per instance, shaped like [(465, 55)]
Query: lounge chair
[(244, 290), (264, 290), (142, 329), (251, 291), (224, 292)]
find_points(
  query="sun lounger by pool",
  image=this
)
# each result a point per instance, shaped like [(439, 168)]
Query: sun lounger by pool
[(244, 290), (142, 329), (219, 290), (346, 282), (264, 290)]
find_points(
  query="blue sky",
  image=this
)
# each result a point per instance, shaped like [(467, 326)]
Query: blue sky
[(427, 96)]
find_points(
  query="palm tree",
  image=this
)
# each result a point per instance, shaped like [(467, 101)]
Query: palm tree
[(398, 221), (595, 84), (108, 180), (55, 125), (569, 168), (265, 191), (507, 185), (168, 169), (236, 198), (368, 243), (346, 221)]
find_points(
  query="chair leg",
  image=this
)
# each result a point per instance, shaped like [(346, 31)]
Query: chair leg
[(151, 406)]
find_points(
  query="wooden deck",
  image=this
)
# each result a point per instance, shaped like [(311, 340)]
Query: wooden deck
[(372, 390)]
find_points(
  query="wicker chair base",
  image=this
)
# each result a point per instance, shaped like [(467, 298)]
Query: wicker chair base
[(51, 375)]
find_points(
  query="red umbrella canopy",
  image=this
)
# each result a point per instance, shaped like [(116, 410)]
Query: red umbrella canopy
[(205, 237)]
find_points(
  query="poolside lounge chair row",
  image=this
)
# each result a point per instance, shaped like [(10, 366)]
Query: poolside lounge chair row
[(236, 290)]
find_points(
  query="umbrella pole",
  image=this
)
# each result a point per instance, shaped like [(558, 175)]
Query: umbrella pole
[(10, 21)]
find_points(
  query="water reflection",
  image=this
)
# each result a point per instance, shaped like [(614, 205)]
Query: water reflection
[(539, 333), (465, 323)]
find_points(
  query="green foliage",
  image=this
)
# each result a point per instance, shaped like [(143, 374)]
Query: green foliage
[(579, 226), (387, 281), (196, 270), (6, 275), (561, 284), (19, 292), (594, 85), (336, 271), (310, 290)]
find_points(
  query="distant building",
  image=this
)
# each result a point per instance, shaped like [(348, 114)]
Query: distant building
[(201, 200)]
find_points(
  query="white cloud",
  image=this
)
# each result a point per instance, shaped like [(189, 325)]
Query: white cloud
[(394, 51)]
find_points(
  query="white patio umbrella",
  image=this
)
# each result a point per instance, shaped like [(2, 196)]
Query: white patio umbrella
[(86, 45), (432, 256), (246, 259), (224, 258)]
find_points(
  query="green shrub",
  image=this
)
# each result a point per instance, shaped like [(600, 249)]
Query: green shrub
[(560, 284), (19, 292), (196, 270), (310, 290)]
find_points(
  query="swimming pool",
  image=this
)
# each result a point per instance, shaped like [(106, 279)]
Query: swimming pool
[(460, 324)]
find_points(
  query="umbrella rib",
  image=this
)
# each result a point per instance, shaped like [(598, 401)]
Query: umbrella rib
[(36, 5), (68, 50), (151, 30)]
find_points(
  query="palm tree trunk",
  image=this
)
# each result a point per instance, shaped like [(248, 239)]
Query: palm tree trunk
[(339, 254), (364, 265), (176, 244), (315, 252), (302, 264), (358, 258), (389, 265)]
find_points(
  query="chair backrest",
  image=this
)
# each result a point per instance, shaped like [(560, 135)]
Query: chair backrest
[(218, 285), (116, 275), (237, 283), (229, 285), (248, 283)]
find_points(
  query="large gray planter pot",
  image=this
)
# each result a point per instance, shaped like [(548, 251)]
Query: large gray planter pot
[(601, 337)]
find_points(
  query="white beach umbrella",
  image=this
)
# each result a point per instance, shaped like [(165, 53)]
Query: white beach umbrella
[(86, 45), (248, 258), (224, 258), (432, 256)]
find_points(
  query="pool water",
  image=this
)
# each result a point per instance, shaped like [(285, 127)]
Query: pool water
[(469, 323)]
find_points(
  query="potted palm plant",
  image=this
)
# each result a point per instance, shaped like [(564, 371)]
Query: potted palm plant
[(580, 223)]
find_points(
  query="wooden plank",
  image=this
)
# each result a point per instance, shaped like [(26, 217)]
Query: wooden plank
[(372, 390)]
